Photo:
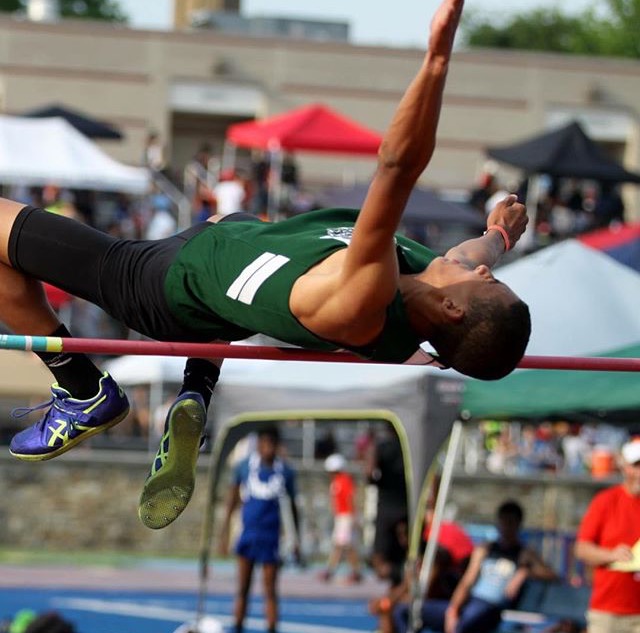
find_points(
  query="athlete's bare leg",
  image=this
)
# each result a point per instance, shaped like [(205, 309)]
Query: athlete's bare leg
[(245, 573), (23, 305), (269, 585)]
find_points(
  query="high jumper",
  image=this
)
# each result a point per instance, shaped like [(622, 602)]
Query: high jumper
[(326, 280)]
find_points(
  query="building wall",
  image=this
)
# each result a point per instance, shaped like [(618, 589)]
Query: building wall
[(88, 501), (492, 97)]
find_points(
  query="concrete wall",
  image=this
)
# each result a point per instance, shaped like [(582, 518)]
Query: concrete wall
[(85, 501)]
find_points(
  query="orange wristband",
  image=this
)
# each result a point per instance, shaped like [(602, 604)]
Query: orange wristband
[(503, 232)]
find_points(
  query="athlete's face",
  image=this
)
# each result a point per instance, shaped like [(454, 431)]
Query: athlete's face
[(461, 283), (509, 526), (443, 271), (267, 448)]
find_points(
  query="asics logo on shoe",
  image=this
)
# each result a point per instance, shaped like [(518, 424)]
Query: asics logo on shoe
[(60, 433)]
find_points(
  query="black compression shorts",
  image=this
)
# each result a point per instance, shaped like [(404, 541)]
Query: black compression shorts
[(123, 277)]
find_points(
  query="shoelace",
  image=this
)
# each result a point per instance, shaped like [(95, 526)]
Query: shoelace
[(74, 417), (21, 412)]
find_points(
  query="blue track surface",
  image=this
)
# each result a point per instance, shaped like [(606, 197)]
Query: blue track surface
[(148, 612)]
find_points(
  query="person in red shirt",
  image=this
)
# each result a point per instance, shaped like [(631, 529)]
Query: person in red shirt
[(453, 539), (342, 500), (606, 538)]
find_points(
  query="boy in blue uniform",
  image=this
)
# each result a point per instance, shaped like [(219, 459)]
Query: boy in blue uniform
[(261, 483)]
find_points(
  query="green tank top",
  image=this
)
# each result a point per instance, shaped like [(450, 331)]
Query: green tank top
[(234, 279)]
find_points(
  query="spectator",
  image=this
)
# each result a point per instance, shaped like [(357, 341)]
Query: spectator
[(487, 186), (491, 583), (536, 452), (608, 540), (325, 445), (290, 182), (363, 443), (161, 223), (229, 193), (260, 175), (501, 460), (154, 154), (574, 450), (260, 481), (197, 182), (453, 538), (343, 505), (50, 622), (609, 205), (384, 467), (451, 557)]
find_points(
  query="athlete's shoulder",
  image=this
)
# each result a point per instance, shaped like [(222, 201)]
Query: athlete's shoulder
[(241, 469)]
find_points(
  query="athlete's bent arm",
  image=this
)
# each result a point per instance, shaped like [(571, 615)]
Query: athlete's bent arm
[(508, 214)]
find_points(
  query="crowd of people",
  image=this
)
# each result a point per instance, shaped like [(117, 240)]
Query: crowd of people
[(561, 447), (565, 207)]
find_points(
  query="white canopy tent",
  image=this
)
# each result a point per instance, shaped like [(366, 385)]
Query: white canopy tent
[(52, 151), (582, 301)]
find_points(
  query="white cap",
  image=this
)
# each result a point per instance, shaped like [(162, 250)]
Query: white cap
[(631, 451), (335, 463)]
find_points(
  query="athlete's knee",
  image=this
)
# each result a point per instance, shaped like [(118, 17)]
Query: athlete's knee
[(9, 210), (19, 288)]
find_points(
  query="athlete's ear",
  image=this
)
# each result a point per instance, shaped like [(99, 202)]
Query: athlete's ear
[(452, 310)]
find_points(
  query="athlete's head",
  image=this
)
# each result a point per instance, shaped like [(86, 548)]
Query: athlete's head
[(484, 328), (268, 441), (509, 518)]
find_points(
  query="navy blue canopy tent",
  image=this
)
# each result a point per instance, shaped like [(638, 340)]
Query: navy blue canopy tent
[(423, 206), (91, 128)]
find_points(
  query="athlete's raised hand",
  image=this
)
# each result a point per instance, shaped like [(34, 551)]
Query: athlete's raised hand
[(510, 215), (443, 27)]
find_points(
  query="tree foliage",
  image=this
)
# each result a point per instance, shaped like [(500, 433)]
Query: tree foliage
[(107, 10), (610, 29)]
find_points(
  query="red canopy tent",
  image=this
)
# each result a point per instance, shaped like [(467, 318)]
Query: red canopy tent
[(314, 128)]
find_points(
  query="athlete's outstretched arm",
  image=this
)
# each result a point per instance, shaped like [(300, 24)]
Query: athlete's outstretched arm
[(370, 265)]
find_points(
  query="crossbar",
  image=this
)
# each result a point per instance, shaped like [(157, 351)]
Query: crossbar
[(115, 347)]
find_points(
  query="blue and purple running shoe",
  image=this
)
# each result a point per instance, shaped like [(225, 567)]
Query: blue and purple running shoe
[(68, 421)]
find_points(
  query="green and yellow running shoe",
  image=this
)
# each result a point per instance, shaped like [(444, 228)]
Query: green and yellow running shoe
[(171, 481)]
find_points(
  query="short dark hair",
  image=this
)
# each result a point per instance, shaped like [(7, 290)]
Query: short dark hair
[(488, 342), (511, 509), (270, 432)]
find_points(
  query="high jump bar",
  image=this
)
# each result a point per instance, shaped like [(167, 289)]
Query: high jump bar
[(115, 347)]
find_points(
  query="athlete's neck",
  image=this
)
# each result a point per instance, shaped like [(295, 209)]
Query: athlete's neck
[(421, 301)]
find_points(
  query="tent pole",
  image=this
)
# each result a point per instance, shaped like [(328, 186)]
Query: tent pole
[(228, 156), (275, 184), (528, 240), (155, 402), (432, 544)]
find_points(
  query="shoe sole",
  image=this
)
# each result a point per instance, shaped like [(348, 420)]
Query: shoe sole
[(166, 493), (27, 457)]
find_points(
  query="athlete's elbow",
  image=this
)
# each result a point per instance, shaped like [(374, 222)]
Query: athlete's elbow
[(399, 163)]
